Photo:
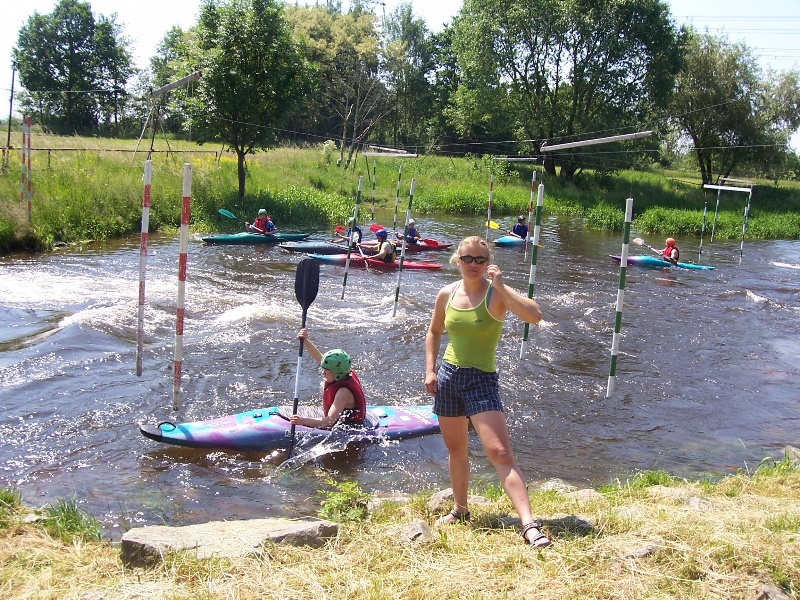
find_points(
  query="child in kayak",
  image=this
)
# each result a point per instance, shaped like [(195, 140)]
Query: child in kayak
[(386, 250), (412, 236), (342, 395), (520, 229), (262, 223), (353, 233), (671, 252)]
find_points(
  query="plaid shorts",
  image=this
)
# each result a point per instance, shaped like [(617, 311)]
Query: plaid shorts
[(464, 391)]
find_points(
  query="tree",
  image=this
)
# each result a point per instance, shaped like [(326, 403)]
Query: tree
[(541, 70), (253, 74), (346, 50), (408, 61), (733, 117), (67, 62), (114, 67)]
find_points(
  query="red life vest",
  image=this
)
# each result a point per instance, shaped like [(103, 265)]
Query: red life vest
[(354, 415), (667, 253)]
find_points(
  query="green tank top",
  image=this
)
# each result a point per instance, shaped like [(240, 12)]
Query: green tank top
[(473, 335)]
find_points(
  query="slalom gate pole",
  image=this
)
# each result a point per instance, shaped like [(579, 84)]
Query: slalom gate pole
[(184, 243), (148, 176), (397, 197), (374, 179), (403, 247), (703, 226), (23, 172), (537, 229), (489, 207), (744, 224), (623, 269), (530, 212), (716, 211), (352, 230), (30, 148)]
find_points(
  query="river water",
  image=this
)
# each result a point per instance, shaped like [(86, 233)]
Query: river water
[(707, 377)]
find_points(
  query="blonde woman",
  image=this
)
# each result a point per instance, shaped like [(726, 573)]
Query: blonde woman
[(465, 386)]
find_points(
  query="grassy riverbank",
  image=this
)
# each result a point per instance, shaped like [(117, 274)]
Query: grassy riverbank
[(89, 189), (651, 537)]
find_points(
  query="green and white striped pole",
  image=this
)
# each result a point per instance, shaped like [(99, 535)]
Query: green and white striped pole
[(374, 178), (489, 206), (530, 213), (403, 247), (352, 230), (623, 269), (397, 197), (537, 229)]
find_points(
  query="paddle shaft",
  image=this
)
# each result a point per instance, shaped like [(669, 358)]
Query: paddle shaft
[(306, 286), (230, 215)]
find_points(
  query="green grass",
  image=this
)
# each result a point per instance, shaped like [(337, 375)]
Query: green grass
[(93, 194)]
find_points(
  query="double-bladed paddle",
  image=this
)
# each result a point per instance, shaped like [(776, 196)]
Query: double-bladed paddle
[(230, 215), (306, 286), (641, 242)]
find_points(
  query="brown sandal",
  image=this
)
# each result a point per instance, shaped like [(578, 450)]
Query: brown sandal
[(459, 518), (539, 540)]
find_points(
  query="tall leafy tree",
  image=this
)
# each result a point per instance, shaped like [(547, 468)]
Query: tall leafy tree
[(543, 70), (409, 59), (66, 62), (253, 74), (734, 118), (346, 50)]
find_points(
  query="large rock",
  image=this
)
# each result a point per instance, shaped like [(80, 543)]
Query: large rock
[(230, 539)]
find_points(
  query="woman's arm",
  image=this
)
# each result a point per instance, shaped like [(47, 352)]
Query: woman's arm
[(433, 340)]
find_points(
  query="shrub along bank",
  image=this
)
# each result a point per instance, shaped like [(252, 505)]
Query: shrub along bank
[(93, 194)]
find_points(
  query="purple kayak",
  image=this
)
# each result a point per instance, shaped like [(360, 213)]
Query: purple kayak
[(266, 429)]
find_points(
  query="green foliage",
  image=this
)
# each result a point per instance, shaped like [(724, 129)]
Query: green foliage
[(68, 522), (604, 216), (346, 504), (10, 502)]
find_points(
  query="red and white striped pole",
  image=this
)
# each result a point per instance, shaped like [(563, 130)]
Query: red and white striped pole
[(148, 176), (30, 121), (185, 212), (23, 172)]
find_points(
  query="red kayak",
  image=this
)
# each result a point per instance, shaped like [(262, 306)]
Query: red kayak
[(357, 261)]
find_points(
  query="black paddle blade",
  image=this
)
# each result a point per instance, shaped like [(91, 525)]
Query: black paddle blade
[(306, 283)]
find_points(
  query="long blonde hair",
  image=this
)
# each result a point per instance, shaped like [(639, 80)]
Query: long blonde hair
[(471, 240)]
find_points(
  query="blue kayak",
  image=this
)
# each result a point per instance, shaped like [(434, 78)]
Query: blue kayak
[(656, 263), (509, 240), (246, 238)]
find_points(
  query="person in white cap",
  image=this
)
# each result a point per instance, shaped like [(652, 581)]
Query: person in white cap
[(413, 235)]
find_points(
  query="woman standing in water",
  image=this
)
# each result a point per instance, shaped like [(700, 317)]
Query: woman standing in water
[(465, 387)]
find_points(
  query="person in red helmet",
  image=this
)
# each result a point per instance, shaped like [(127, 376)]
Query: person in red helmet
[(671, 252)]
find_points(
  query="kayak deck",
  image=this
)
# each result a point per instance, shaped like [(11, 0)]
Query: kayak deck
[(247, 238), (269, 428)]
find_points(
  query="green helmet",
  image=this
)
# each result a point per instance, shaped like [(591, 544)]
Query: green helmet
[(337, 362), (262, 211)]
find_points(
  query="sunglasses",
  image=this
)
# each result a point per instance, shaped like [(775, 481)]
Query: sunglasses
[(467, 259)]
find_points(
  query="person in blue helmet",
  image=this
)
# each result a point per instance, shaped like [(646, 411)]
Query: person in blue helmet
[(385, 250), (343, 399), (520, 229)]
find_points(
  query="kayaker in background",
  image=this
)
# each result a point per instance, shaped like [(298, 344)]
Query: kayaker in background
[(261, 224), (385, 250), (520, 229), (465, 386), (671, 252), (353, 233), (342, 395), (412, 236)]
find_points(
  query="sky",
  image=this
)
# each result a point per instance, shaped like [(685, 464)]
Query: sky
[(770, 27)]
